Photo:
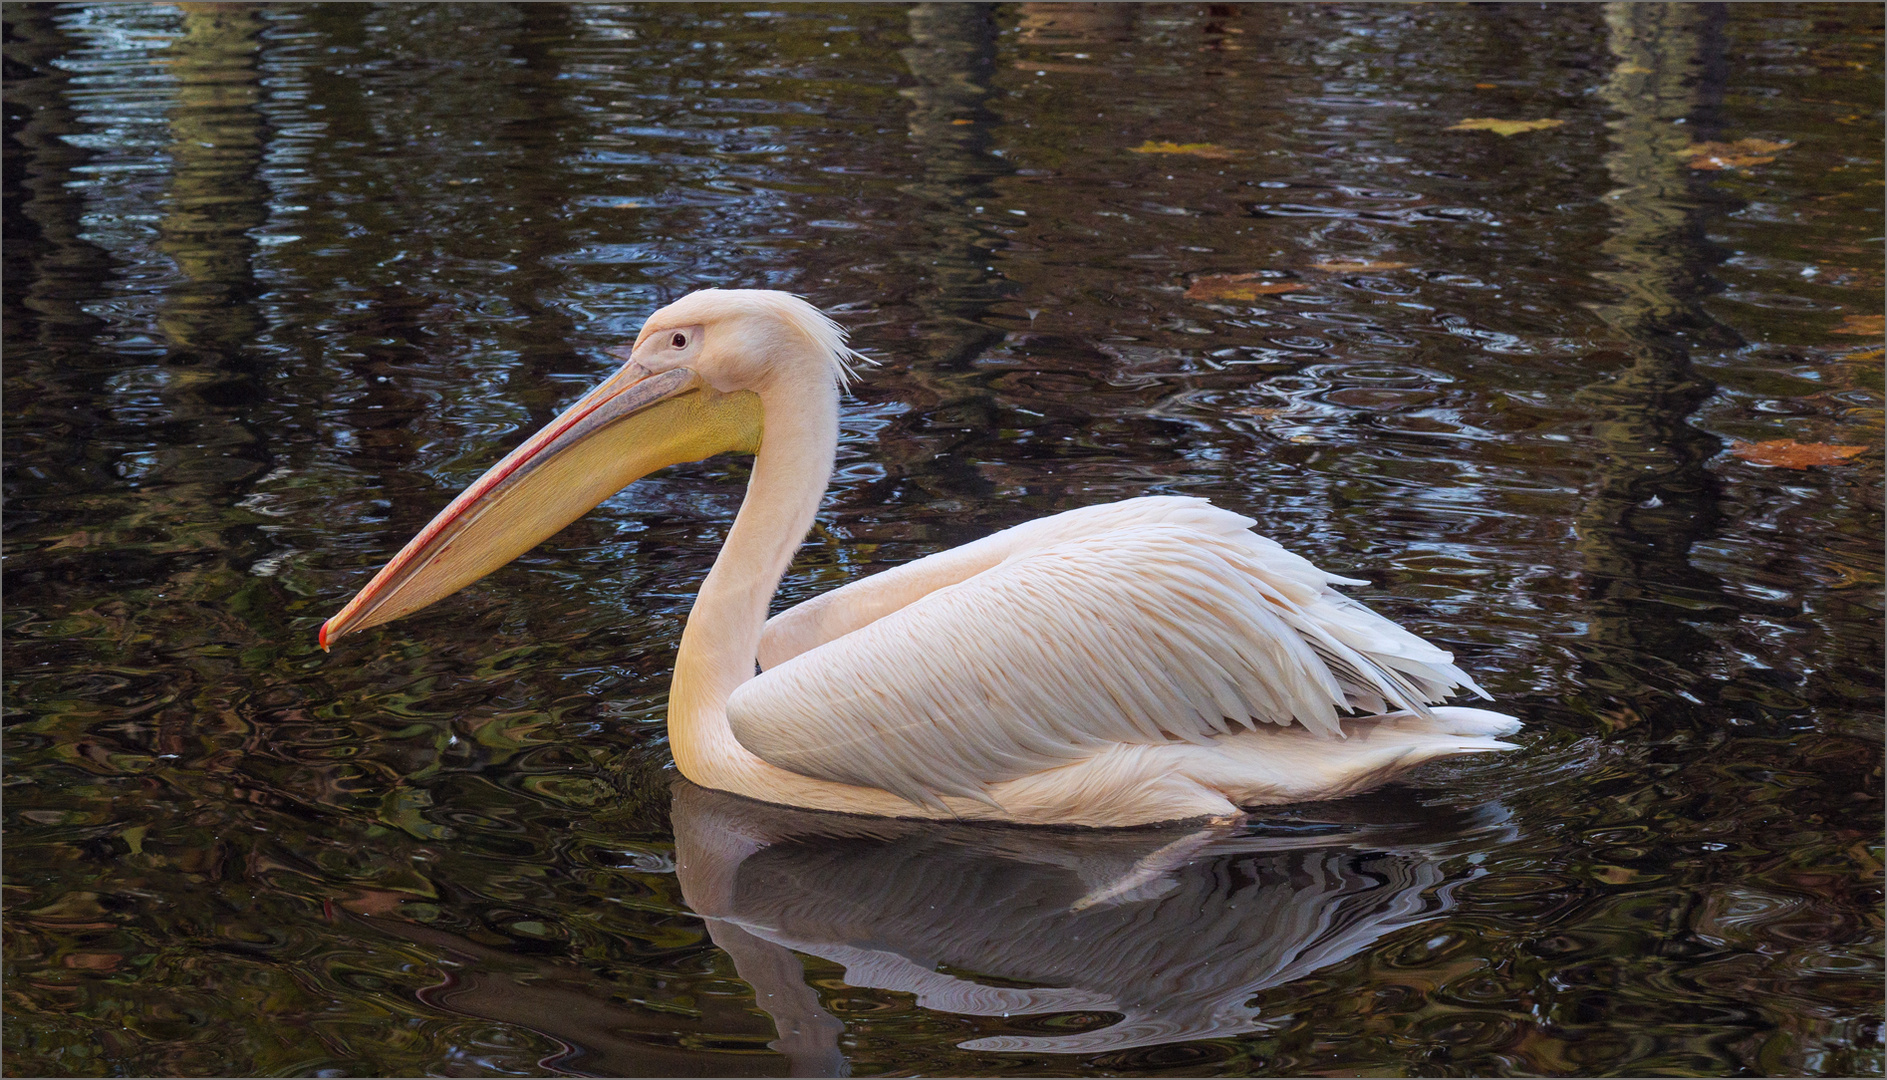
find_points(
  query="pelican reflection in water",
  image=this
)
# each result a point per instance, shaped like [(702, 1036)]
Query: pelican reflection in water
[(1169, 933), (1135, 662)]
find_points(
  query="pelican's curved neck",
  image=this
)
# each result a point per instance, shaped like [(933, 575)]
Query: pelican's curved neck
[(799, 435)]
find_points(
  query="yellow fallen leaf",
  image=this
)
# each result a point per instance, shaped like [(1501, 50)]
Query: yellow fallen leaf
[(1789, 454), (1505, 127), (1237, 287), (1740, 154), (1619, 719), (1196, 149), (1485, 86), (1353, 266), (1865, 356), (1863, 325), (1866, 857)]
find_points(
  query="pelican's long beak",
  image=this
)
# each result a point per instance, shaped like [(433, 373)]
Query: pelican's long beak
[(626, 428)]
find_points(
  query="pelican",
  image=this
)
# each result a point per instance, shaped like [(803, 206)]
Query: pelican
[(1142, 661)]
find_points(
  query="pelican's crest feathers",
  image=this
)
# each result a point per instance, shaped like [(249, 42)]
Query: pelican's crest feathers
[(815, 326)]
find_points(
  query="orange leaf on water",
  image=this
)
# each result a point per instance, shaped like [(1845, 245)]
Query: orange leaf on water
[(1195, 149), (1740, 154), (1237, 287), (1789, 454), (1863, 325)]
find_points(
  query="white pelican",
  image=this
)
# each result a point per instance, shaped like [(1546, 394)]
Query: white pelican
[(1142, 661)]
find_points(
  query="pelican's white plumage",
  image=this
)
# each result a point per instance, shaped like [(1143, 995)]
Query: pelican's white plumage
[(1145, 622), (1140, 661)]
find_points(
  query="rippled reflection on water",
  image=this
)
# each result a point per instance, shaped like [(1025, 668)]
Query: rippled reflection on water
[(280, 279)]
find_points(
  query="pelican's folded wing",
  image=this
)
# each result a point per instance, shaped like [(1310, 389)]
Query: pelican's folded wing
[(1147, 633), (859, 603)]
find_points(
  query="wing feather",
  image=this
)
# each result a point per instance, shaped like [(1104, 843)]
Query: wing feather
[(855, 604), (1148, 632)]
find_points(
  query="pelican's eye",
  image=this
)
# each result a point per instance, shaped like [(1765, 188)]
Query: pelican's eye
[(680, 341)]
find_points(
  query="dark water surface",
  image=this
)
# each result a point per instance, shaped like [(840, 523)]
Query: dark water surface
[(279, 280)]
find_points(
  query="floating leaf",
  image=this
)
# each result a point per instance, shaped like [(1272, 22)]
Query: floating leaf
[(1196, 149), (1789, 454), (1484, 86), (1863, 325), (1620, 718), (1505, 127), (1354, 266), (1238, 287), (1740, 154), (362, 901)]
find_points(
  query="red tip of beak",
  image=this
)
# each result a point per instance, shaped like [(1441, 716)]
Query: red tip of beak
[(323, 638)]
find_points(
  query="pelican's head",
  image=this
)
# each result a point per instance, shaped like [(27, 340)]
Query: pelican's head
[(691, 387), (741, 339)]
